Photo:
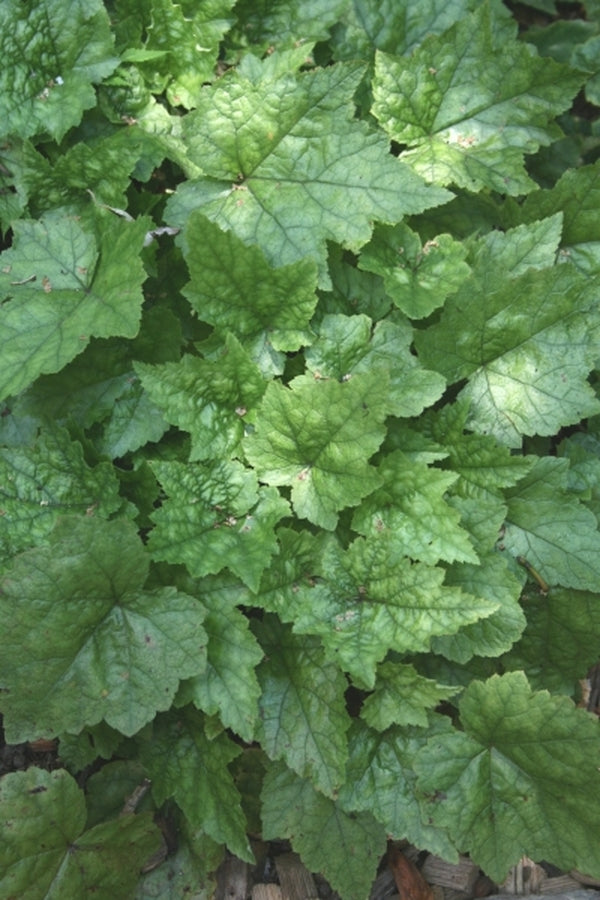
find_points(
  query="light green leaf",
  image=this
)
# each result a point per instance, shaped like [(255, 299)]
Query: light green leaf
[(561, 639), (473, 138), (284, 22), (317, 435), (234, 288), (135, 421), (87, 642), (371, 599), (522, 779), (61, 288), (381, 780), (410, 509), (45, 479), (303, 718), (418, 277), (402, 697), (349, 345), (508, 337), (187, 38), (344, 847), (285, 161), (552, 529), (229, 686), (184, 764), (52, 56), (514, 251), (215, 516), (47, 852), (207, 397)]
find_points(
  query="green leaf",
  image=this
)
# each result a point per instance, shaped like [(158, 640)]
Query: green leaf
[(47, 852), (521, 779), (284, 161), (473, 138), (282, 22), (349, 345), (552, 529), (45, 479), (229, 686), (184, 764), (135, 421), (402, 697), (344, 847), (508, 337), (371, 599), (317, 435), (207, 397), (216, 516), (381, 780), (52, 55), (87, 642), (187, 39), (303, 718), (418, 277), (234, 288), (410, 509), (61, 288)]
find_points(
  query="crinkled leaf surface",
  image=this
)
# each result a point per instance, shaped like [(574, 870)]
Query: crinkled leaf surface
[(46, 850), (52, 55), (284, 161), (348, 345), (510, 341), (381, 779), (317, 435), (418, 277), (474, 138), (286, 21), (345, 847), (371, 599), (553, 529), (234, 288), (184, 764), (60, 288), (402, 697), (45, 479), (134, 421), (410, 509), (86, 641), (208, 397), (216, 516), (522, 779), (303, 718)]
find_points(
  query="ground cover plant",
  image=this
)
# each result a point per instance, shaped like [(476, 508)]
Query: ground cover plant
[(299, 470)]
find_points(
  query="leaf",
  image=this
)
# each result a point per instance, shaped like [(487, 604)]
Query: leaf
[(87, 642), (410, 509), (207, 397), (552, 529), (521, 780), (135, 421), (317, 435), (475, 139), (46, 850), (184, 764), (402, 697), (303, 717), (61, 289), (285, 21), (370, 599), (349, 345), (271, 148), (344, 847), (418, 277), (229, 686), (510, 347), (45, 479), (52, 55), (234, 288), (216, 516)]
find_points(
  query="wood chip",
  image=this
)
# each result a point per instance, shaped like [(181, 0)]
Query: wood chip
[(296, 881), (525, 878), (232, 879), (460, 876), (410, 882), (266, 892)]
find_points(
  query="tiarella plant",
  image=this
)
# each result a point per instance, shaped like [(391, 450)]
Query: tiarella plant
[(299, 466)]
